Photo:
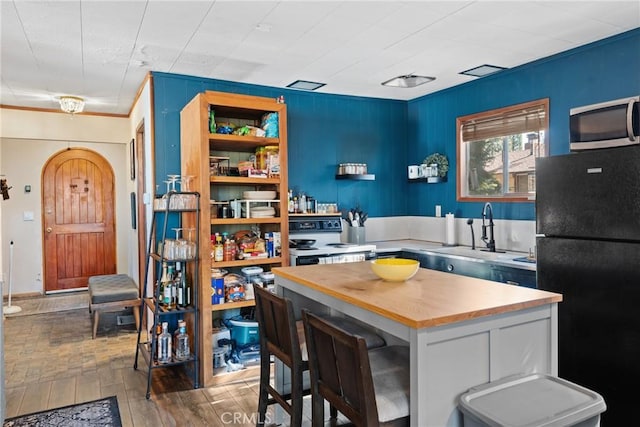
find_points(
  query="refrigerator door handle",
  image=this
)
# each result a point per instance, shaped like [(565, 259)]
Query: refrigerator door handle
[(632, 137)]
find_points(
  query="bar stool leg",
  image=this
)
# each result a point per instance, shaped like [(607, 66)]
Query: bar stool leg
[(263, 394)]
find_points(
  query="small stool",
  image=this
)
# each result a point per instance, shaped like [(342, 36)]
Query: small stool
[(112, 292)]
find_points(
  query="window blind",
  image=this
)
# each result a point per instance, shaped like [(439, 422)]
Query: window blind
[(507, 122)]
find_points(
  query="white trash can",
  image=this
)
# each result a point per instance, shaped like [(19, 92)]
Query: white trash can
[(535, 400)]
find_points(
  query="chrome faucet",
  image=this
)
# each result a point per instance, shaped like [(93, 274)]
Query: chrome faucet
[(487, 213)]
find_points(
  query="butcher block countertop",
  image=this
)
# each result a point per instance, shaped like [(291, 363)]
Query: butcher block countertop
[(430, 298)]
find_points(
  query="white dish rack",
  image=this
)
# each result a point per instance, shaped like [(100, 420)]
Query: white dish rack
[(246, 206)]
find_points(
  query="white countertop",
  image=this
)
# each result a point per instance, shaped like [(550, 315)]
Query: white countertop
[(504, 258)]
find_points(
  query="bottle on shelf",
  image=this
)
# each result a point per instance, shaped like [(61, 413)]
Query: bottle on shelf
[(164, 281), (180, 286), (303, 203), (170, 290), (290, 202), (229, 250), (212, 120), (183, 352), (164, 344), (218, 250), (187, 289)]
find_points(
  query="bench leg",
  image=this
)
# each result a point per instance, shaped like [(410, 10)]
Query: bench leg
[(136, 316), (96, 316)]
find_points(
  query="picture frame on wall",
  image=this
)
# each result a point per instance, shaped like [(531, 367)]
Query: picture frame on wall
[(133, 210), (132, 156)]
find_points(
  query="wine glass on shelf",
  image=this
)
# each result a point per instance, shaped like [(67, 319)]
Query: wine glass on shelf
[(188, 200), (164, 200), (173, 179), (180, 250), (191, 244), (174, 200)]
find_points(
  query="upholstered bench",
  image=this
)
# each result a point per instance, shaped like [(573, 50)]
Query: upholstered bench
[(112, 292)]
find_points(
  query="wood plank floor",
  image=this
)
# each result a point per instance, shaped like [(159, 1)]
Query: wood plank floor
[(51, 361)]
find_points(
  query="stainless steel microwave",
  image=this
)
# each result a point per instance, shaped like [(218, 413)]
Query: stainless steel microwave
[(608, 124)]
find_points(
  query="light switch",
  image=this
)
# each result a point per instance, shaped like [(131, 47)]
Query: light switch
[(27, 188), (27, 215)]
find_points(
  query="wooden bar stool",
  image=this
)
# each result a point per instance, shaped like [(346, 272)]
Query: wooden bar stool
[(279, 336), (369, 387), (283, 337)]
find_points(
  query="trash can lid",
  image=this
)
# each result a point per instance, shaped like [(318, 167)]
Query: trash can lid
[(531, 401)]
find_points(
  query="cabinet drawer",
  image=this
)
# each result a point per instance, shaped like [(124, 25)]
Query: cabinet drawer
[(513, 276)]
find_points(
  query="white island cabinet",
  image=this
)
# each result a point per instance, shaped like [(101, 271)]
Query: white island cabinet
[(461, 331)]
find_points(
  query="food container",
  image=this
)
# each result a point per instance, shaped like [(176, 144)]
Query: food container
[(244, 332), (534, 400), (272, 159), (219, 355), (268, 280), (252, 276), (234, 287), (217, 285)]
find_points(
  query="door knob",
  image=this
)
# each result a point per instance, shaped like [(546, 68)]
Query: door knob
[(49, 229)]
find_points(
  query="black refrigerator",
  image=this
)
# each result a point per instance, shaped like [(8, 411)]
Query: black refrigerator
[(588, 249)]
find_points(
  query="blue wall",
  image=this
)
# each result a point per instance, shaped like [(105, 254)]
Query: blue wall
[(325, 130), (598, 72)]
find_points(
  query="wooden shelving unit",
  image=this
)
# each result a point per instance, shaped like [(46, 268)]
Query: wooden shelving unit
[(197, 145)]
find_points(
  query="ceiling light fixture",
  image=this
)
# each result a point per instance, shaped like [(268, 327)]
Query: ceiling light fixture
[(71, 104), (305, 85), (409, 80), (482, 70)]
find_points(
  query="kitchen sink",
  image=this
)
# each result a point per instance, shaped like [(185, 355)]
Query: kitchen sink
[(496, 266), (477, 253)]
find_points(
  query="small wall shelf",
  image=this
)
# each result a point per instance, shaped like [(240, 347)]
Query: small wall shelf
[(361, 177), (430, 180)]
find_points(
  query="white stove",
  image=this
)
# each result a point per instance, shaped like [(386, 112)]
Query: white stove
[(327, 249)]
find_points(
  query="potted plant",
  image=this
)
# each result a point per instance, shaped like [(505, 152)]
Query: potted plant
[(440, 160)]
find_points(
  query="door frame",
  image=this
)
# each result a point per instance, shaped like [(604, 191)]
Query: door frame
[(141, 212)]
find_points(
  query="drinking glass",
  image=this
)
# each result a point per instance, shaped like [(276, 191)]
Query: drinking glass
[(175, 200), (188, 200), (191, 245), (181, 245)]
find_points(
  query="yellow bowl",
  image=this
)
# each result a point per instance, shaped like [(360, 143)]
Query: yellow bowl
[(395, 269)]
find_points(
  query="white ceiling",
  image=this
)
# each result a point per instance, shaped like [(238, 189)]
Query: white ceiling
[(102, 50)]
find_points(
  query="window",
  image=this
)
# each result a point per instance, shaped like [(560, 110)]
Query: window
[(497, 152)]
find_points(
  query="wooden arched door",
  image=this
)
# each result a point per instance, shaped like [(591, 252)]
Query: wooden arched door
[(78, 206)]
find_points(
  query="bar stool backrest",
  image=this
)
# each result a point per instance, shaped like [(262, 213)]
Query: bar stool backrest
[(277, 326), (340, 372), (278, 335)]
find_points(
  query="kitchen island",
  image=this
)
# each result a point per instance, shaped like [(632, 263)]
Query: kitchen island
[(461, 331)]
